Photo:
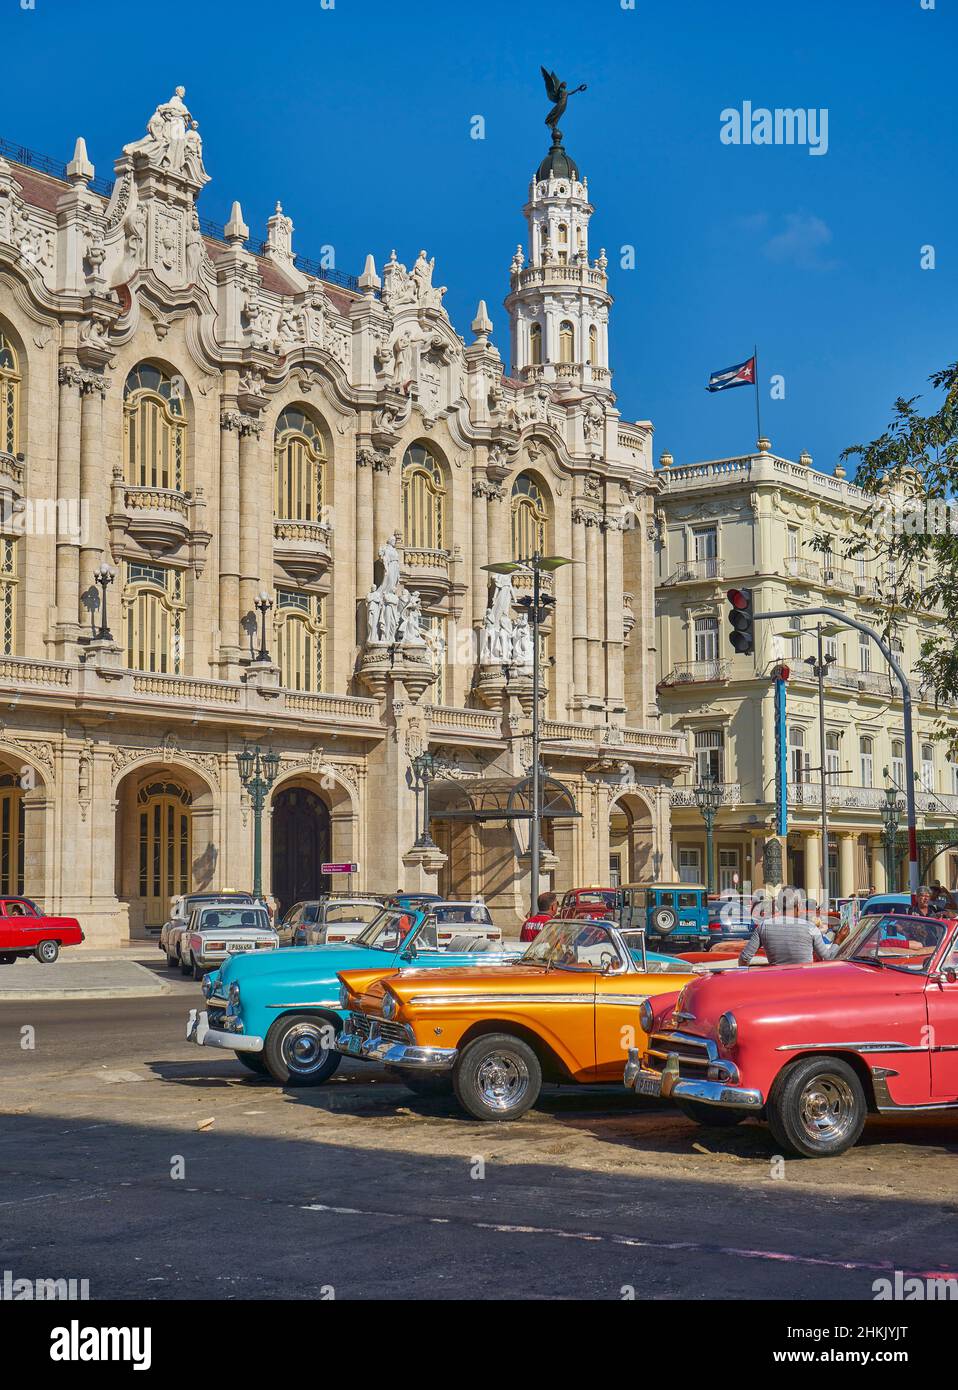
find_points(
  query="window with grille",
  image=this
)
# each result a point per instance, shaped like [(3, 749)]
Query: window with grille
[(8, 595), (154, 428), (528, 518), (423, 500), (593, 346), (535, 345), (706, 639), (153, 617), (710, 754), (9, 396), (690, 864), (566, 342), (300, 639), (299, 464)]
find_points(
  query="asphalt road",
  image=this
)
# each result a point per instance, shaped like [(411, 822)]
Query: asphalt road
[(155, 1169)]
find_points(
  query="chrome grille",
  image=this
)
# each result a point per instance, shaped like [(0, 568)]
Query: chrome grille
[(368, 1027), (694, 1054), (359, 1023)]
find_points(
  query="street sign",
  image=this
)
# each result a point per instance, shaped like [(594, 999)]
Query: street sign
[(339, 868)]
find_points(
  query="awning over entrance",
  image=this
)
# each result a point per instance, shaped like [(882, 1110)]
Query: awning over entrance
[(498, 798)]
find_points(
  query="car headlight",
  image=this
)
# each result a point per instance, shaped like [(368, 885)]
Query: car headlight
[(727, 1030), (206, 988), (390, 1006), (343, 997), (646, 1016), (234, 994)]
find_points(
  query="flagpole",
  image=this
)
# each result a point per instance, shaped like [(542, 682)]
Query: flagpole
[(758, 408)]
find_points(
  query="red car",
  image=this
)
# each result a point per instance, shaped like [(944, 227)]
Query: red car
[(596, 904), (814, 1048), (26, 931)]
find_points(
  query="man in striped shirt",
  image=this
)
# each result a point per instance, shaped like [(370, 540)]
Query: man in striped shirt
[(788, 938)]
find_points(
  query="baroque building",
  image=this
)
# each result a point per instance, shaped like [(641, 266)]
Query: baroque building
[(247, 499), (781, 528)]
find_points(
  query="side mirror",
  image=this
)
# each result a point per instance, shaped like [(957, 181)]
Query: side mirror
[(949, 975)]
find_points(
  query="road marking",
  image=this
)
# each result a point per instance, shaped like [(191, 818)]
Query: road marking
[(637, 1242)]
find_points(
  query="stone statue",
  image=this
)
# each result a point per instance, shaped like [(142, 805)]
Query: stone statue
[(389, 623), (594, 422), (410, 622), (195, 250), (172, 140), (522, 641), (496, 641), (389, 554), (374, 614), (558, 92)]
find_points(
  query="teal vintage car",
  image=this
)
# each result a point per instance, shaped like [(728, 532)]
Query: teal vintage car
[(280, 1011)]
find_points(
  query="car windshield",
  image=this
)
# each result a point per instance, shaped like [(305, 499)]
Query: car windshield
[(571, 945), (228, 918), (352, 912), (902, 943), (465, 913), (388, 929)]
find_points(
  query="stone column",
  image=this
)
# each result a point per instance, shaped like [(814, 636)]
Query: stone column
[(231, 429), (481, 493), (846, 864), (614, 636), (878, 867), (68, 485), (250, 463), (813, 864), (580, 645), (365, 540), (94, 483)]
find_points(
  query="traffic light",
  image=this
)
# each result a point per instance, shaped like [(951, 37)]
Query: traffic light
[(742, 619)]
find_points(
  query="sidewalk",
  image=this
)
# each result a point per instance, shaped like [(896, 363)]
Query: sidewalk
[(88, 976)]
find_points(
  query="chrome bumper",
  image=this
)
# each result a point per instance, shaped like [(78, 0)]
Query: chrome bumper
[(198, 1031), (396, 1054), (668, 1084)]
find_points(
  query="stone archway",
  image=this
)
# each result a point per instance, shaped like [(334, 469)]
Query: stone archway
[(311, 820), (632, 840), (25, 803)]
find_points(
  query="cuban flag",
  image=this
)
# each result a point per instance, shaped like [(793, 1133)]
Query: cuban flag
[(741, 375)]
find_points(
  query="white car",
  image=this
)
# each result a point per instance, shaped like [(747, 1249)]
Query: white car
[(338, 920), (470, 920), (182, 906), (214, 933)]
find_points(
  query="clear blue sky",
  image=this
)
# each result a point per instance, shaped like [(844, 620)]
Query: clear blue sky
[(358, 119)]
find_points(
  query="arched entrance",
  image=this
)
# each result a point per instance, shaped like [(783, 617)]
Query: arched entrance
[(631, 841), (301, 843), (163, 840), (12, 823)]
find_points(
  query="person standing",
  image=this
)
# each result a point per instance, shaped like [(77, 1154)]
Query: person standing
[(788, 938), (547, 903)]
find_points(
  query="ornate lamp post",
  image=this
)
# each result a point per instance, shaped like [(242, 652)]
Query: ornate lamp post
[(104, 576), (257, 772), (537, 607), (708, 795), (262, 605), (891, 816), (424, 767)]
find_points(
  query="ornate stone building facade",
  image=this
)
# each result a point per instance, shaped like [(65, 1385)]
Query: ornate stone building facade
[(295, 479)]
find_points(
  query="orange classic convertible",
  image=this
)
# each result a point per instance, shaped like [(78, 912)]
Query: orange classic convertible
[(567, 1011)]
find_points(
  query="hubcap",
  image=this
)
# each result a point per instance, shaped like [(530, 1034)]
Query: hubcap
[(503, 1080), (827, 1108), (303, 1050)]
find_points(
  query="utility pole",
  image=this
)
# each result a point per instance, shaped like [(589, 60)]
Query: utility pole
[(820, 670)]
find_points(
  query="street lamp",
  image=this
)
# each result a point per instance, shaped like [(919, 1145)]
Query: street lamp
[(424, 766), (258, 771), (262, 605), (819, 665), (891, 816), (104, 576), (708, 796), (537, 607)]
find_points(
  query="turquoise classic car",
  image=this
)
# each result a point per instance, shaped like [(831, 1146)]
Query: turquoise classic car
[(279, 1011)]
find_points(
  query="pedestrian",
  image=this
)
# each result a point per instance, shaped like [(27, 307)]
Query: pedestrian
[(788, 938), (547, 904)]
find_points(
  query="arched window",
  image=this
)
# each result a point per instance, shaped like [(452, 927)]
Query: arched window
[(11, 834), (566, 342), (8, 594), (9, 396), (154, 429), (563, 243), (535, 345), (423, 500), (153, 610), (163, 813), (593, 346), (528, 518), (300, 639), (300, 462)]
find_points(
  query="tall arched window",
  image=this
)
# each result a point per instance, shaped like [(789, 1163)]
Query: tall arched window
[(153, 611), (593, 346), (528, 518), (154, 427), (566, 342), (11, 834), (8, 594), (300, 463), (535, 345), (300, 639), (423, 500), (9, 396)]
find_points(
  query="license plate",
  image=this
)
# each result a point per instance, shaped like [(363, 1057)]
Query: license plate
[(354, 1045), (646, 1085), (239, 946)]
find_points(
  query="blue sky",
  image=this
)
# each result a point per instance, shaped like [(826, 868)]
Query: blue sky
[(358, 118)]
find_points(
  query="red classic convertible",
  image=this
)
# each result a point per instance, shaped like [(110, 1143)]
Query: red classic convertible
[(813, 1048), (25, 931)]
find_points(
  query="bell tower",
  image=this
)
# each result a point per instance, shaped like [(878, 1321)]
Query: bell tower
[(558, 302)]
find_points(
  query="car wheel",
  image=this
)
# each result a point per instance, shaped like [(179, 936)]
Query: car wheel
[(198, 971), (47, 952), (712, 1116), (422, 1084), (186, 966), (817, 1107), (297, 1051), (497, 1077), (252, 1061), (663, 919), (171, 961)]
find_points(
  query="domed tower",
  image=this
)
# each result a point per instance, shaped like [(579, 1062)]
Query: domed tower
[(558, 303)]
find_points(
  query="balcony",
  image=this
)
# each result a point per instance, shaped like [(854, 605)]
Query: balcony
[(730, 794), (427, 572), (157, 520), (807, 571), (302, 549), (692, 571), (698, 672)]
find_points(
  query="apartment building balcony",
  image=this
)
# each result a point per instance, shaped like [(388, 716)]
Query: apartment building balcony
[(695, 571), (730, 794), (850, 798), (302, 549), (711, 672)]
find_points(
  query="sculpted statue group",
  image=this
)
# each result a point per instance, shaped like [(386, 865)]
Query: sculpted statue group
[(505, 641), (393, 613)]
